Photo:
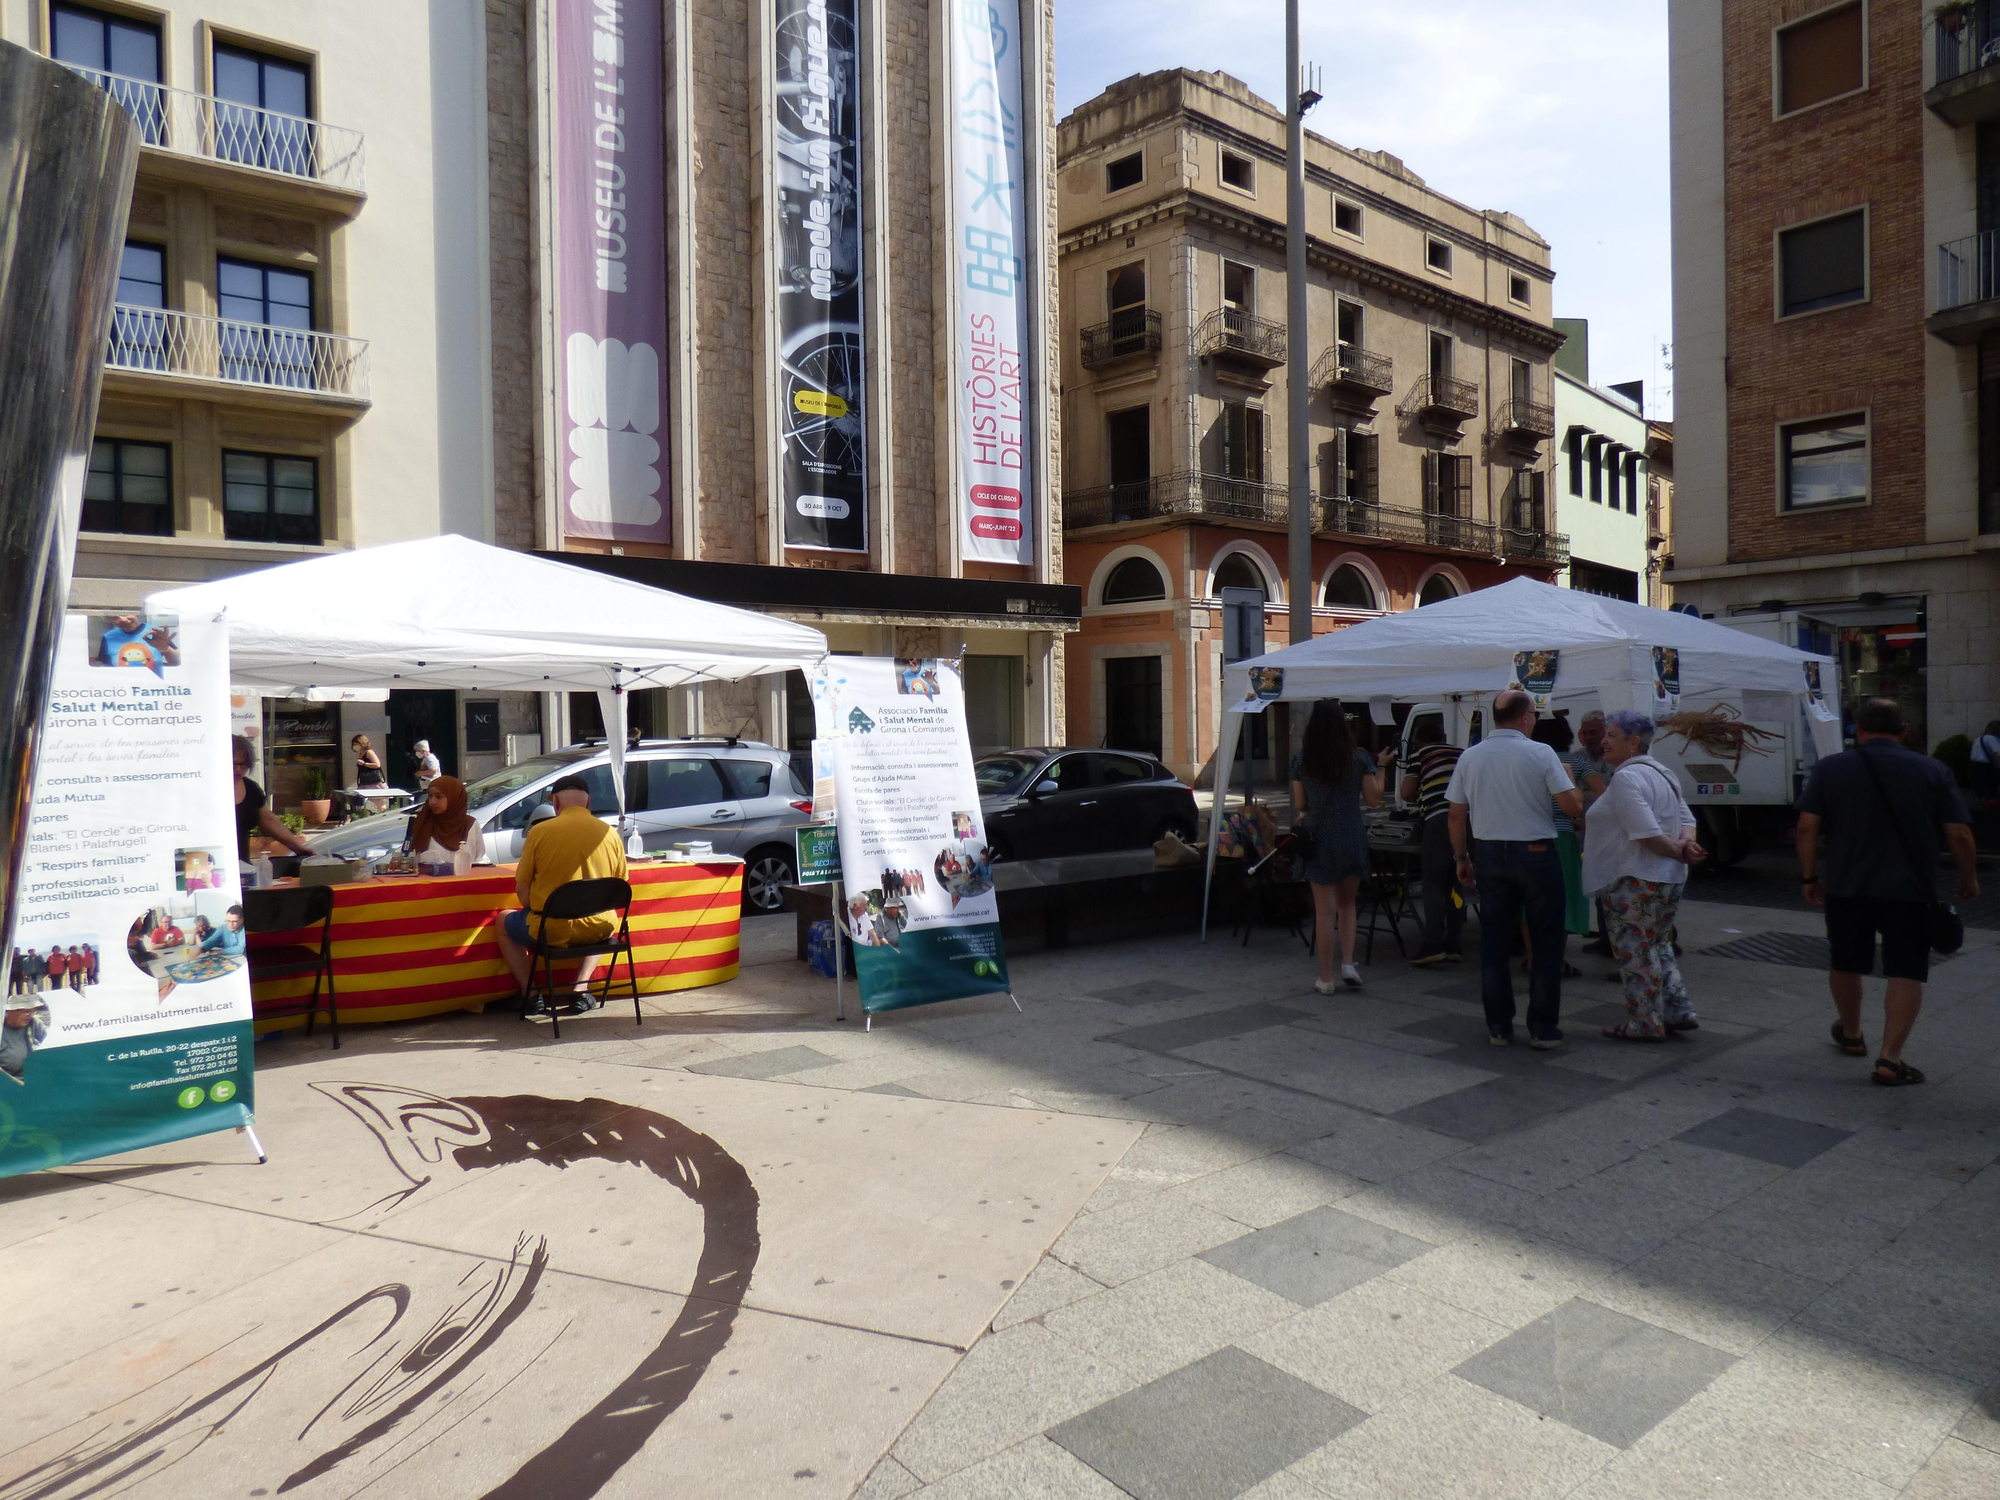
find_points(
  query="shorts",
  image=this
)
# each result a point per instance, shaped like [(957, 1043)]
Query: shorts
[(515, 924), (1851, 925)]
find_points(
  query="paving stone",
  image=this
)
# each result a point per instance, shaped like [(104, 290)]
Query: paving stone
[(1316, 1255), (1481, 1112), (774, 1064), (1957, 1471), (1930, 1317), (1034, 1470), (1617, 1215), (1178, 1036), (1504, 1275), (1359, 1074), (1376, 1150), (1701, 1174), (1708, 1295), (1439, 1203), (1823, 1242), (1726, 1464), (1271, 1188), (1371, 1345), (1599, 1371), (1131, 1239), (1146, 992), (1206, 1432), (1981, 1425), (1050, 1285), (1765, 1137), (888, 1480), (1168, 1318)]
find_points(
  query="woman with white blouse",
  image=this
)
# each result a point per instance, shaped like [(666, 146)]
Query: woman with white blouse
[(1638, 843)]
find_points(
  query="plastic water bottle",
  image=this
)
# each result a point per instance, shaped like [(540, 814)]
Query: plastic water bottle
[(635, 846), (262, 865)]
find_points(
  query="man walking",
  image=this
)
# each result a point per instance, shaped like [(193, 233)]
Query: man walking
[(1503, 839), (1592, 777), (1424, 784), (1885, 811)]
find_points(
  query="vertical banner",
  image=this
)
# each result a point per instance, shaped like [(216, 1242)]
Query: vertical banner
[(128, 992), (611, 264), (919, 877), (989, 250), (816, 110)]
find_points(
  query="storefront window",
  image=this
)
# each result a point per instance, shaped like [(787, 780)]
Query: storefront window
[(1886, 661)]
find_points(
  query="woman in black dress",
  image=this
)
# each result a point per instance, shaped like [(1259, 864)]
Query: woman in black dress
[(252, 814), (367, 764), (1332, 777)]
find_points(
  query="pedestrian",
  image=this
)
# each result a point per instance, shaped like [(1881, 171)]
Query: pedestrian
[(252, 813), (1332, 777), (1885, 811), (367, 764), (428, 766), (90, 963), (1986, 762), (1444, 902), (1503, 841), (1638, 843), (1554, 731), (1592, 773), (56, 966)]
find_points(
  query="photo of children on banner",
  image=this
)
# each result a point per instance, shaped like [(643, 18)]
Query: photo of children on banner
[(966, 874), (917, 678), (26, 1028), (150, 643), (70, 964), (191, 939)]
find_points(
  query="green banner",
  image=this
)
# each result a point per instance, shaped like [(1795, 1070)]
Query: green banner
[(945, 963), (819, 854)]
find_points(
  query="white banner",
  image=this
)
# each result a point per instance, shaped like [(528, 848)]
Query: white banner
[(990, 250)]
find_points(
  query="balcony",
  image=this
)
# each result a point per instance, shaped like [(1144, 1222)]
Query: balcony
[(209, 135), (1441, 399), (1353, 375), (1182, 496), (1531, 545), (283, 367), (1968, 289), (1523, 421), (1339, 516), (1967, 39), (1241, 345), (1132, 332)]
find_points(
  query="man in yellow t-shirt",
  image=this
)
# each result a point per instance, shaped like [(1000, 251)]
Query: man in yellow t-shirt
[(573, 845)]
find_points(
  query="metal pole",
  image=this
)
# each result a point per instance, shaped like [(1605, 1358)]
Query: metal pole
[(1298, 430)]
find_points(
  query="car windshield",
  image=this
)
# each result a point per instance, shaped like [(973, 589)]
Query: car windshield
[(997, 773), (490, 789)]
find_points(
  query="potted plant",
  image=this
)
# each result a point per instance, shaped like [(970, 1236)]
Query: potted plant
[(316, 805)]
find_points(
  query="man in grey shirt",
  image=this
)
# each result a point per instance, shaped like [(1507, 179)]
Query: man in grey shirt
[(1503, 836)]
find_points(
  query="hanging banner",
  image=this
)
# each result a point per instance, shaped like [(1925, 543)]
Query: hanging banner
[(128, 993), (919, 877), (990, 249), (816, 110), (1666, 680), (1535, 674), (611, 265)]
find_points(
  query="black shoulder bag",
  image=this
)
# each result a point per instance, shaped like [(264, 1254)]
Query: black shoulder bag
[(1942, 925)]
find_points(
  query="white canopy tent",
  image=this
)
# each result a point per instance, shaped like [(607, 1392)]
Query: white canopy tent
[(448, 612), (1463, 651)]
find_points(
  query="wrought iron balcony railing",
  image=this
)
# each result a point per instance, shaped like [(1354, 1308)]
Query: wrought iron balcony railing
[(1442, 393), (1357, 369), (1533, 545), (1969, 270), (1130, 331), (1167, 496), (191, 345), (200, 125), (1236, 334), (1339, 516), (1968, 38), (1526, 418)]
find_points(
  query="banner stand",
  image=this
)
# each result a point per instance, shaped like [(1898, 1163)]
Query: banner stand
[(255, 1144), (835, 908)]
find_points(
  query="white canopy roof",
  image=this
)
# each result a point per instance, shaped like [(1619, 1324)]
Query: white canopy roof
[(448, 612), (1468, 645)]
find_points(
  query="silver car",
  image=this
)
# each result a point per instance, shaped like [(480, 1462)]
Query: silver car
[(743, 797)]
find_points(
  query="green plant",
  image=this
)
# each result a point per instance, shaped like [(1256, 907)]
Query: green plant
[(1956, 751), (294, 821), (315, 784)]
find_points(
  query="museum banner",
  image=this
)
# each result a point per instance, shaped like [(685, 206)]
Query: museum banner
[(990, 259), (918, 876), (822, 384), (611, 265), (128, 990)]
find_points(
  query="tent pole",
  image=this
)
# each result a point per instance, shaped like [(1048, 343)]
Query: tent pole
[(611, 704), (1230, 727)]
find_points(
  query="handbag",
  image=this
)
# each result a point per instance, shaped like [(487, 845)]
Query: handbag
[(1943, 927)]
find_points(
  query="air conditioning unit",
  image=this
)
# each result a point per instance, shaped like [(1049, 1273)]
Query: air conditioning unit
[(522, 747)]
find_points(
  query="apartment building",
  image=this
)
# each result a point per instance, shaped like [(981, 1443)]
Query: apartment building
[(1430, 334), (1836, 190), (297, 360), (770, 291), (1604, 480)]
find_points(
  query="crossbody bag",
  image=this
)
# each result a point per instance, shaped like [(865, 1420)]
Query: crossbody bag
[(1943, 928)]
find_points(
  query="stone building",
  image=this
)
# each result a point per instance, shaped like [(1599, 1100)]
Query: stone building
[(1836, 180), (1430, 334)]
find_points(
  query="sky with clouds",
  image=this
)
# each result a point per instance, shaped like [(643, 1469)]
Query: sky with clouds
[(1553, 109)]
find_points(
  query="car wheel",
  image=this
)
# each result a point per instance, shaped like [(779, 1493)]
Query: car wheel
[(1176, 826), (765, 875)]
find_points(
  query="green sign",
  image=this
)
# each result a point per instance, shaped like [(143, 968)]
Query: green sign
[(819, 854)]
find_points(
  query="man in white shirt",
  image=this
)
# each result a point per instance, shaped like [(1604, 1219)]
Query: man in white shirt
[(1503, 836)]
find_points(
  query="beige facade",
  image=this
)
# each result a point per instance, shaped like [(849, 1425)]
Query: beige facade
[(1429, 337)]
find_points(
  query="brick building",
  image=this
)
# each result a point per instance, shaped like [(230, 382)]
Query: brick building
[(1430, 335), (1836, 187)]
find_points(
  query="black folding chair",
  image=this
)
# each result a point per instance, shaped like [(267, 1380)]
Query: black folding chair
[(1275, 891), (568, 903), (288, 911)]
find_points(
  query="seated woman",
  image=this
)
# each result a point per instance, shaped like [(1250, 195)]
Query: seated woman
[(443, 836)]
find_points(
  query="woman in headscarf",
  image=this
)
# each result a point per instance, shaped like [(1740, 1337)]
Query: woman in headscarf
[(443, 834)]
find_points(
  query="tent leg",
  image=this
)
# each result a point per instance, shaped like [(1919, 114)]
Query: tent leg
[(839, 963), (1225, 769)]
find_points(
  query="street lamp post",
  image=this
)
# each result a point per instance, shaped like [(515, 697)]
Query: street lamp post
[(1298, 397)]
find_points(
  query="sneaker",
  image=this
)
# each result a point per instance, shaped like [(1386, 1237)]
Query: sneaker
[(1326, 986), (1499, 1038), (1453, 956), (1548, 1041), (1350, 976), (1685, 1023), (1427, 960)]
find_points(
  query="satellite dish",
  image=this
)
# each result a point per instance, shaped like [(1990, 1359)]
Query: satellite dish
[(1688, 609)]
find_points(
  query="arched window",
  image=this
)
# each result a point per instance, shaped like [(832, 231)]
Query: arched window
[(1133, 581), (1347, 587), (1236, 571), (1437, 587)]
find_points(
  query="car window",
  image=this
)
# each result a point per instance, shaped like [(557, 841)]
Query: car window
[(751, 778), (1113, 769), (490, 789), (998, 773), (681, 781), (516, 814), (1070, 773)]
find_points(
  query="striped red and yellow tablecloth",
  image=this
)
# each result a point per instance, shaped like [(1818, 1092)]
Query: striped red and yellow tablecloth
[(406, 946)]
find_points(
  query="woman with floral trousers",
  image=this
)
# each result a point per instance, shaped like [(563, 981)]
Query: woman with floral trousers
[(1641, 914)]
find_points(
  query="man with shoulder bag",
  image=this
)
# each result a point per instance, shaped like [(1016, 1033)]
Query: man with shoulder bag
[(1885, 811)]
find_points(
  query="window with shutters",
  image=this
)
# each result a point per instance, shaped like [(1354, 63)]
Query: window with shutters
[(1448, 484), (1821, 57), (1529, 501), (1573, 446), (1355, 465), (1242, 442), (1823, 264)]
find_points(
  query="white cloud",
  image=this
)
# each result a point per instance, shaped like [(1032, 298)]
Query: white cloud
[(1555, 110)]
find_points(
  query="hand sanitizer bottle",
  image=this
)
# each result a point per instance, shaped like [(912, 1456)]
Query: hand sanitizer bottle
[(635, 846)]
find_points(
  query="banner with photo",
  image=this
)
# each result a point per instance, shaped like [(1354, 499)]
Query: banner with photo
[(990, 250), (128, 990), (816, 115), (607, 102), (918, 874)]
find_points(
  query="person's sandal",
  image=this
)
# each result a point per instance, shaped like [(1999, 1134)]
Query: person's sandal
[(1853, 1046), (1571, 971), (1898, 1073), (1627, 1032)]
